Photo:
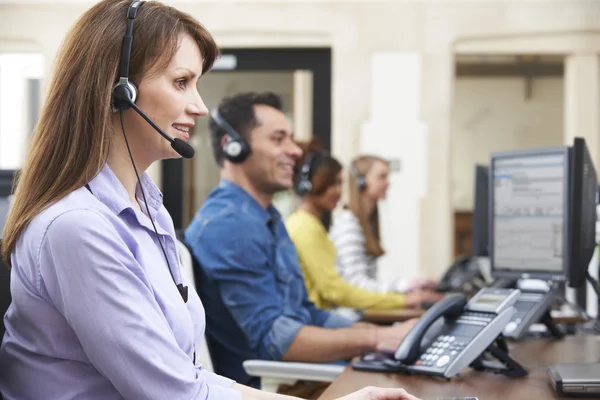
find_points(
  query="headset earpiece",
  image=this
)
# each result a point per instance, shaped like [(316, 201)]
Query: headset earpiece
[(235, 148), (361, 182), (304, 184), (123, 94)]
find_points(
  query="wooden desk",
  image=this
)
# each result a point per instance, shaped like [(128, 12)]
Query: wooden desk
[(401, 315), (535, 355)]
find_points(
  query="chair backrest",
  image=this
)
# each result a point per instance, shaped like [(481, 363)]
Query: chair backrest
[(187, 262), (5, 297)]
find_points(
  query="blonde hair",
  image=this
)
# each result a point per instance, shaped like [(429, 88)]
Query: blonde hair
[(369, 223), (72, 138)]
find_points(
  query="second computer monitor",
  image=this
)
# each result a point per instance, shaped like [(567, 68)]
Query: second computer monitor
[(481, 212), (584, 184), (529, 210)]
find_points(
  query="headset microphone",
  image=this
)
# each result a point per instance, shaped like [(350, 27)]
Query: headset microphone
[(182, 148)]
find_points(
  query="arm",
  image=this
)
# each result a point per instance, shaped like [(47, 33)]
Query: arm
[(352, 259), (93, 280), (368, 393), (239, 261), (249, 393), (343, 344), (314, 344), (317, 255)]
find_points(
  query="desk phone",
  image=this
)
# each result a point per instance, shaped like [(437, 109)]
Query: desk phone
[(453, 335), (532, 307)]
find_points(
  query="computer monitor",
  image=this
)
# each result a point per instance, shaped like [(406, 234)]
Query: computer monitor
[(480, 212), (582, 227), (529, 207)]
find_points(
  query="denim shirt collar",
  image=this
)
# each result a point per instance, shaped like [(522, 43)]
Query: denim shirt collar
[(250, 205)]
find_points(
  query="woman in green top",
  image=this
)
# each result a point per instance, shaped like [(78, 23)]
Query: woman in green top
[(318, 183)]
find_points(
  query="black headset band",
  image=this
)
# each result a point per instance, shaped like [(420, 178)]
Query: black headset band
[(223, 124), (354, 171), (309, 163), (128, 40)]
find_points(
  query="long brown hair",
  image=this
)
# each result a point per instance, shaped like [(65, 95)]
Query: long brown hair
[(368, 223), (72, 138)]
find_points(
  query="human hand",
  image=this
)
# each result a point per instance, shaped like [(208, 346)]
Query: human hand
[(375, 393), (415, 299), (389, 338), (421, 283)]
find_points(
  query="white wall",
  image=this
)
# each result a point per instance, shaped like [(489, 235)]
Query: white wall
[(15, 70), (493, 114), (355, 31)]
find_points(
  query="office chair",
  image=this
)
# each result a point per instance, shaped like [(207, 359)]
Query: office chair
[(5, 297), (185, 256)]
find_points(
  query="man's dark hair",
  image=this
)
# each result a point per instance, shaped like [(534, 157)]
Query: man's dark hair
[(238, 111)]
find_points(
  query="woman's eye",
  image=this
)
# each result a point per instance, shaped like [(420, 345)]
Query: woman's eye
[(181, 83)]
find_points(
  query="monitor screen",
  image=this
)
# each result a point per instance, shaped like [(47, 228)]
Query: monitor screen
[(530, 203)]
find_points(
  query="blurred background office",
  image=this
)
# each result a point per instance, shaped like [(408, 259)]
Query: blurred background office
[(433, 86)]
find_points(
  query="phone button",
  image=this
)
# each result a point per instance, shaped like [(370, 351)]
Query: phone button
[(442, 361)]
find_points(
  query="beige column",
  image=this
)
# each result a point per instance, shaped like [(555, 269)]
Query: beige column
[(436, 234), (302, 107), (582, 102)]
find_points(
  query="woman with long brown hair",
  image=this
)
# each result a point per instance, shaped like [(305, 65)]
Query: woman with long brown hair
[(318, 182), (355, 231), (100, 308)]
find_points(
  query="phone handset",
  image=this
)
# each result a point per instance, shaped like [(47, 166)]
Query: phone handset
[(451, 306)]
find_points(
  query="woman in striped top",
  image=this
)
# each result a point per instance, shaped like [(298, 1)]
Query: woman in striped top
[(355, 230)]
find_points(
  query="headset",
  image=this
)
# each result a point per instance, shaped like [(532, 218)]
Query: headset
[(304, 184), (361, 182), (124, 94), (235, 149)]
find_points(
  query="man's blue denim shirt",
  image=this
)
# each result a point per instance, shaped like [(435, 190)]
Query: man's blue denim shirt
[(250, 282)]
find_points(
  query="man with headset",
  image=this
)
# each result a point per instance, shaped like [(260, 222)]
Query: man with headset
[(250, 280)]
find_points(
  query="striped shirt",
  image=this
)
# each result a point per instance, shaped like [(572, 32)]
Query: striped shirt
[(352, 261)]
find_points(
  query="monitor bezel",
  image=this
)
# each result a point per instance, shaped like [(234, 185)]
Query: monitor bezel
[(578, 269), (480, 246), (506, 273)]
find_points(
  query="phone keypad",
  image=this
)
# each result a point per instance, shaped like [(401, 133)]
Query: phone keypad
[(441, 351)]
